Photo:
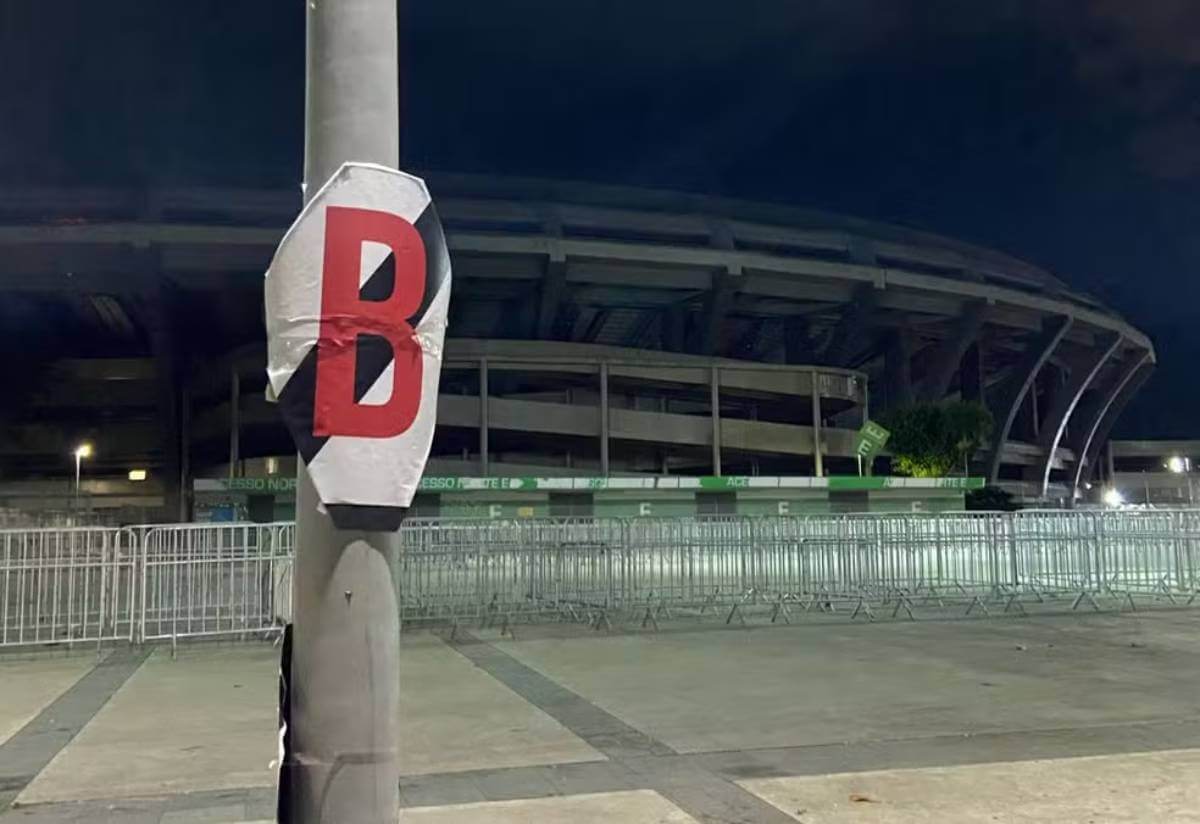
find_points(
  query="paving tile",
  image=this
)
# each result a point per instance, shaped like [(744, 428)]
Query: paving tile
[(1142, 787), (205, 721), (634, 807), (32, 684)]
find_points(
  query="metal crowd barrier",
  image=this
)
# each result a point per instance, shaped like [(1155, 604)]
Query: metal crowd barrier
[(174, 582), (67, 586), (603, 570), (210, 580)]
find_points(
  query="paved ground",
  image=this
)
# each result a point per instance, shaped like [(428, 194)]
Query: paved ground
[(1073, 718), (32, 684), (1138, 787)]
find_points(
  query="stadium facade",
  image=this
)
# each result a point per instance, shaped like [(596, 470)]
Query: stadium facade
[(593, 331)]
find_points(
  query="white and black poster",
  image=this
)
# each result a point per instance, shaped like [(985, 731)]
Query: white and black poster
[(356, 303)]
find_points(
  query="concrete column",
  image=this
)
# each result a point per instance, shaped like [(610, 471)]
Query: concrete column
[(168, 357), (855, 327), (818, 457), (483, 417), (604, 418), (971, 374), (235, 398), (715, 406), (947, 356)]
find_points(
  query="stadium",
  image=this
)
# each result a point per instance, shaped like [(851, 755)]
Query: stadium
[(594, 331)]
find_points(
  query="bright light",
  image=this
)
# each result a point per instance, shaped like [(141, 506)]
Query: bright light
[(84, 450), (272, 465), (1177, 464), (137, 474), (1113, 497)]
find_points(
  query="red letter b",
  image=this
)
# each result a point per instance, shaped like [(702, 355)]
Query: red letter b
[(345, 316)]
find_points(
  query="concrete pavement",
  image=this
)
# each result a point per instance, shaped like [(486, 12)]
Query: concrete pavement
[(32, 684), (927, 721), (1138, 787)]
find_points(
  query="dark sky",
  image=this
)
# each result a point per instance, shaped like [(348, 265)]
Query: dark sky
[(1066, 132)]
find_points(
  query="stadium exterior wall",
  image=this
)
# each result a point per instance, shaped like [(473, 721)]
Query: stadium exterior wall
[(601, 319)]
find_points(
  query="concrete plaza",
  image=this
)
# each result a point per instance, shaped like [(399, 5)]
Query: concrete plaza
[(1068, 718)]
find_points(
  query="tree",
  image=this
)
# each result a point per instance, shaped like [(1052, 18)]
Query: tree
[(933, 440)]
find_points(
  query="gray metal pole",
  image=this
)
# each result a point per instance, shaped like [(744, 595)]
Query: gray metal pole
[(345, 654), (604, 418)]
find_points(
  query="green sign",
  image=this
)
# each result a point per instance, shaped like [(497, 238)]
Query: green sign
[(726, 483), (959, 483), (871, 438), (845, 483), (258, 484)]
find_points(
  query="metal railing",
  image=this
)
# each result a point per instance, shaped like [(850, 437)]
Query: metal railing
[(201, 580), (604, 570), (67, 586), (173, 582)]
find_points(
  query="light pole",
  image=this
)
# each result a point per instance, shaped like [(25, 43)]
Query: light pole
[(345, 667), (84, 450)]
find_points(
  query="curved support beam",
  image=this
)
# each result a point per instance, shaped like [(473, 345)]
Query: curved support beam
[(1012, 392), (949, 354), (971, 373), (1083, 372), (1107, 409)]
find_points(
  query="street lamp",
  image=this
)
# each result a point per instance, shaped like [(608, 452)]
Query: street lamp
[(84, 450)]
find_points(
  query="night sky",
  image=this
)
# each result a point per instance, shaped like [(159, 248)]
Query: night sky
[(1066, 132)]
